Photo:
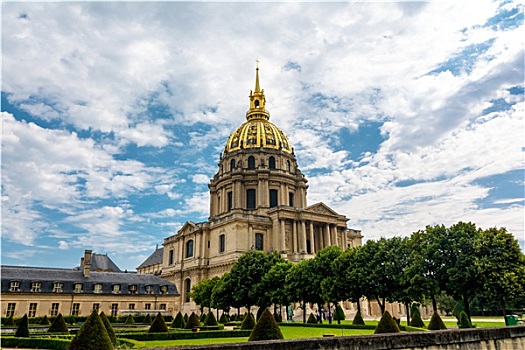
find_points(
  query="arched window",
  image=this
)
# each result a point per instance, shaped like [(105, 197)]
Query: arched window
[(171, 257), (251, 162), (232, 164), (189, 248), (250, 199), (256, 103), (187, 290), (271, 162)]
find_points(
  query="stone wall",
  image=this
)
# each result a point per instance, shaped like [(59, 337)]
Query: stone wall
[(504, 338)]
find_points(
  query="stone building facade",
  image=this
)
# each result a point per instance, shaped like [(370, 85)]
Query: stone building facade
[(258, 200)]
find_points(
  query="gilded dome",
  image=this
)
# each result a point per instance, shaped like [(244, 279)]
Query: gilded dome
[(257, 131)]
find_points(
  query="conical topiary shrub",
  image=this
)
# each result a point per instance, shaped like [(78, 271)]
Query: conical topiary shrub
[(9, 321), (147, 319), (417, 321), (193, 321), (358, 319), (130, 320), (58, 325), (436, 323), (339, 314), (23, 328), (248, 322), (178, 321), (278, 317), (109, 328), (158, 325), (45, 321), (259, 313), (266, 328), (224, 318), (386, 324), (186, 318), (414, 309), (92, 335), (203, 317), (464, 322), (210, 320), (458, 307), (311, 318)]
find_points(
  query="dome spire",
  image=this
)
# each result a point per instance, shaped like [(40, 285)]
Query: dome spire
[(257, 100)]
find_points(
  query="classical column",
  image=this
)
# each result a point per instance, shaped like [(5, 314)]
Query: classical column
[(336, 239), (312, 244), (294, 235), (303, 236), (250, 237), (327, 241), (275, 236), (345, 239), (282, 235)]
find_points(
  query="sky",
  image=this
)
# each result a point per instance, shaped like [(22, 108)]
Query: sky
[(114, 115)]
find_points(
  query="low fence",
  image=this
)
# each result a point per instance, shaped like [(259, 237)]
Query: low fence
[(508, 338)]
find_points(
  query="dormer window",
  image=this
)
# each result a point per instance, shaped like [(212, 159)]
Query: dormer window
[(36, 286), (116, 289), (78, 287), (14, 286), (133, 289), (163, 289), (149, 289), (97, 288), (57, 287)]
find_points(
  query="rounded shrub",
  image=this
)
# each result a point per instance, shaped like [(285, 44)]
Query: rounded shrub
[(248, 322), (339, 314), (417, 321), (109, 328), (158, 325), (130, 320), (266, 328), (45, 321), (22, 330), (58, 325), (193, 321), (358, 319), (386, 324), (147, 319), (436, 323), (210, 320), (311, 318), (178, 321), (463, 321), (92, 335)]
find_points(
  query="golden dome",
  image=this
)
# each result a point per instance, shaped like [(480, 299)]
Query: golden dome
[(257, 132)]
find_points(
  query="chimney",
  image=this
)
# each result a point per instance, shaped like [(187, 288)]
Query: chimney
[(86, 263)]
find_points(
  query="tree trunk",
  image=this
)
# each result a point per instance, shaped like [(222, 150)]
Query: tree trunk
[(407, 308), (467, 308), (504, 309), (329, 314), (336, 313), (434, 304), (304, 312), (381, 306), (359, 306)]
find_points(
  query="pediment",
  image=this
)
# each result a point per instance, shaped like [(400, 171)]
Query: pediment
[(321, 208), (187, 228)]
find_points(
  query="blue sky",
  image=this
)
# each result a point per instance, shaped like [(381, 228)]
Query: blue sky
[(114, 114)]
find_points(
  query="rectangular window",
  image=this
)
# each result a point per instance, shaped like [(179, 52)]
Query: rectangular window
[(259, 239), (250, 199), (97, 288), (131, 306), (15, 286), (96, 307), (222, 243), (57, 287), (162, 307), (76, 309), (78, 287), (290, 199), (230, 201), (273, 198), (133, 289), (147, 306), (36, 286), (116, 288), (54, 309), (114, 309), (10, 309), (171, 257), (32, 310), (189, 248)]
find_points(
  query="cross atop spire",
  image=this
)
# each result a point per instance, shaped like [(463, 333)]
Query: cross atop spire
[(257, 99)]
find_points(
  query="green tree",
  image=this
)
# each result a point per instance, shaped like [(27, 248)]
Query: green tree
[(109, 328), (158, 325), (92, 335), (178, 321), (273, 285), (59, 325), (348, 268), (500, 265), (266, 328), (23, 328), (324, 278), (202, 292), (193, 321), (299, 284)]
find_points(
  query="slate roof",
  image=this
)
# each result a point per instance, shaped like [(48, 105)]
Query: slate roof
[(153, 259), (69, 277), (102, 262)]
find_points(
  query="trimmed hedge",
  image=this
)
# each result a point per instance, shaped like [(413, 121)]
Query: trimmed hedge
[(35, 343), (436, 323), (248, 322), (59, 325), (463, 321), (417, 321), (178, 321), (44, 321), (158, 325), (187, 335), (339, 313), (210, 320), (193, 321), (147, 319), (387, 324), (92, 335), (328, 326), (224, 318), (109, 328), (311, 318), (358, 320), (266, 328), (130, 320), (23, 328)]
